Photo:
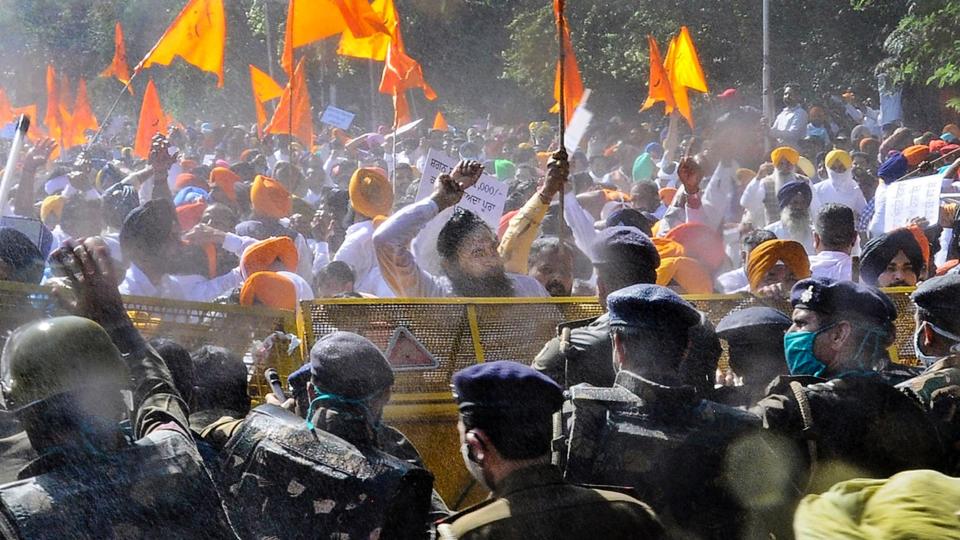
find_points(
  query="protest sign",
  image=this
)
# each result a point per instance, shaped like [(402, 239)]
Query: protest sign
[(337, 117), (486, 198), (908, 199)]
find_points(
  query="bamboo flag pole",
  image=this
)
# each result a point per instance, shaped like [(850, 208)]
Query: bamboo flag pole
[(561, 31)]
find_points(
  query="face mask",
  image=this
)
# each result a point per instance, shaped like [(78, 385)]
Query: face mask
[(844, 179), (926, 359), (473, 467), (798, 347)]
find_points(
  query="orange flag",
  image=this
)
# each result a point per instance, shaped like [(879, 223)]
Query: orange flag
[(375, 46), (684, 71), (264, 89), (309, 21), (197, 35), (401, 110), (572, 83), (54, 113), (152, 121), (659, 84), (293, 114), (439, 122), (401, 72), (83, 118), (118, 67)]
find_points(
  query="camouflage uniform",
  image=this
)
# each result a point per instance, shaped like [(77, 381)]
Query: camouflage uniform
[(938, 388)]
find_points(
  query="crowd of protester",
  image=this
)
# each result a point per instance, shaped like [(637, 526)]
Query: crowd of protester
[(810, 431)]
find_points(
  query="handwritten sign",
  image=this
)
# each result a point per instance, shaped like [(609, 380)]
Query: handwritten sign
[(907, 199), (337, 117), (486, 198)]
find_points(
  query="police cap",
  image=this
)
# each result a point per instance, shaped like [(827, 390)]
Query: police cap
[(753, 324), (506, 386), (650, 306), (830, 297), (938, 296), (625, 245), (350, 366)]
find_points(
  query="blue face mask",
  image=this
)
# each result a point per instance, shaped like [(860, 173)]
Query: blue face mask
[(798, 347)]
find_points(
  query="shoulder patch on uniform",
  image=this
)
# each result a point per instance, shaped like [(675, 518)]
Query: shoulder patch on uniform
[(573, 325), (473, 518), (616, 394)]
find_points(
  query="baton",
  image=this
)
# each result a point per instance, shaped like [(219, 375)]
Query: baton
[(23, 124)]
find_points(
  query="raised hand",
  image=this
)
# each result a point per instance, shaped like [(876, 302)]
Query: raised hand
[(93, 280)]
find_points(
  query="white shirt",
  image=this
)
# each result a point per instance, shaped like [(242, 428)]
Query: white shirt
[(832, 264), (719, 195), (839, 189), (357, 251), (194, 288), (778, 229), (793, 121), (400, 269), (304, 290), (733, 281)]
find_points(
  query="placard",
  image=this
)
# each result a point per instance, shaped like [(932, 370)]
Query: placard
[(485, 198), (337, 117), (908, 199)]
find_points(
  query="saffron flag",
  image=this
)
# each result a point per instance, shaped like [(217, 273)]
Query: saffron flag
[(293, 115), (375, 46), (118, 67), (684, 71), (309, 21), (401, 109), (439, 122), (82, 118), (264, 89), (53, 118), (659, 85), (401, 72), (572, 83), (152, 121), (197, 35)]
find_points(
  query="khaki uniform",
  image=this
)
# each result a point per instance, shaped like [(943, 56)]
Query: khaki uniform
[(536, 503)]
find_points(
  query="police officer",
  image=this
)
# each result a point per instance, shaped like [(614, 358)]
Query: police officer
[(622, 256), (505, 431), (937, 343), (62, 378), (754, 339), (835, 406), (367, 478), (652, 431)]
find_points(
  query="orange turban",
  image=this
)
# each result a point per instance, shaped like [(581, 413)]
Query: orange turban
[(226, 180), (915, 154), (188, 165), (370, 192), (269, 198), (269, 289), (769, 253), (614, 195), (784, 152), (668, 248), (190, 214), (52, 205), (185, 180), (922, 242), (690, 275), (700, 242), (667, 194), (744, 176), (260, 257), (936, 145)]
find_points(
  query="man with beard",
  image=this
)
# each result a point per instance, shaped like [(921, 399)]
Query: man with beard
[(150, 240), (795, 224), (839, 188), (551, 264), (466, 245), (892, 260), (759, 197), (505, 432)]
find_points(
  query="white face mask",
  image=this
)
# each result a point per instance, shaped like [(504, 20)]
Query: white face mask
[(844, 179), (925, 359), (473, 467)]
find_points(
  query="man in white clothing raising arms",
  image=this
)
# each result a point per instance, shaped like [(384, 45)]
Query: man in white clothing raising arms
[(467, 247)]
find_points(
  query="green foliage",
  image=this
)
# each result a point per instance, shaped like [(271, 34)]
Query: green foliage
[(924, 48)]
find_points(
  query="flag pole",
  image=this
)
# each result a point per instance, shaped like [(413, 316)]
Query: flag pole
[(103, 123), (767, 109), (561, 31)]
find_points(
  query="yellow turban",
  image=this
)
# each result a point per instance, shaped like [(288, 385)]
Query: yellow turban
[(765, 256), (784, 152), (269, 198), (744, 176), (690, 275), (838, 155), (52, 205), (668, 248), (269, 289), (260, 257), (370, 192)]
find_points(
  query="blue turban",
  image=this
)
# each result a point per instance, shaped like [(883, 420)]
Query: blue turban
[(791, 189), (190, 194), (893, 168)]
